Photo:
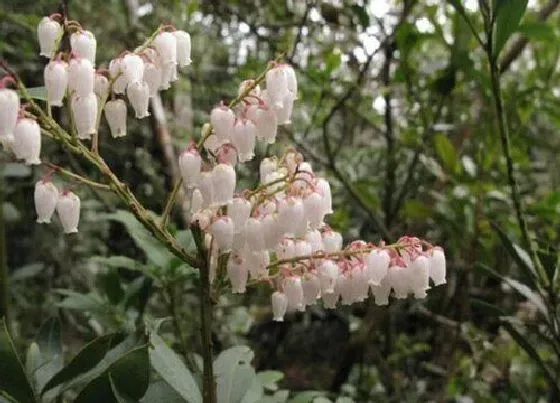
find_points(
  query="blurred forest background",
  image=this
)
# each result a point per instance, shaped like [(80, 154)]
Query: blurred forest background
[(396, 108)]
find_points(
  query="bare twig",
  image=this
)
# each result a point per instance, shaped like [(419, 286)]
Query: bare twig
[(76, 177)]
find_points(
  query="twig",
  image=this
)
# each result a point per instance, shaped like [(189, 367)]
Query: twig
[(391, 165), (76, 177), (170, 203)]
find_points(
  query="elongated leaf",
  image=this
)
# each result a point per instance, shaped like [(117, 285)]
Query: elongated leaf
[(85, 360), (306, 397), (531, 351), (49, 341), (13, 380), (526, 292), (172, 370), (234, 374), (519, 255), (39, 93), (160, 391), (446, 152), (507, 21), (153, 249), (487, 308)]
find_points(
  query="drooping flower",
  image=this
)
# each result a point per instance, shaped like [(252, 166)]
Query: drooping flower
[(45, 197), (84, 45), (189, 165), (49, 32), (138, 94), (84, 110), (56, 81), (183, 40), (115, 113), (68, 209), (81, 77), (27, 141)]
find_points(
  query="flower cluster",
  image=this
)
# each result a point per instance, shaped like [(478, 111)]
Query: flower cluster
[(72, 75), (276, 233)]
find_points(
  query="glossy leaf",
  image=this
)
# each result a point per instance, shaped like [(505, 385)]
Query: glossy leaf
[(507, 21), (13, 380), (519, 255), (234, 374)]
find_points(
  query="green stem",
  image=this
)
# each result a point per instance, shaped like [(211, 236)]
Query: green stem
[(170, 203), (209, 386), (512, 179)]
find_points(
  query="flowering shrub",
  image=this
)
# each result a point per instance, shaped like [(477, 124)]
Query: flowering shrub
[(275, 233)]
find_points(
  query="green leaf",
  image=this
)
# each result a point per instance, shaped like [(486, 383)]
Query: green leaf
[(172, 370), (116, 262), (16, 170), (362, 14), (98, 390), (307, 396), (269, 379), (333, 60), (27, 271), (507, 22), (538, 30), (234, 374), (49, 341), (458, 6), (130, 375), (487, 308), (13, 380), (39, 93), (526, 345), (446, 152), (153, 249), (85, 360), (519, 255), (159, 392)]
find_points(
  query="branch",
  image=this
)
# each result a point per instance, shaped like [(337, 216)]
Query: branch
[(76, 177), (391, 165), (521, 42), (170, 203)]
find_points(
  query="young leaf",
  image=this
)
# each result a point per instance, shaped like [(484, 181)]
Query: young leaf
[(507, 22), (234, 374), (173, 371), (13, 380), (446, 152)]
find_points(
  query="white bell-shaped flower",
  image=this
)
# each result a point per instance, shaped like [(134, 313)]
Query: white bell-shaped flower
[(266, 124), (27, 141), (81, 77), (9, 108), (197, 201), (84, 45), (286, 249), (279, 306), (56, 81), (254, 234), (101, 87), (328, 273), (152, 77), (239, 210), (314, 211), (271, 232), (311, 289), (7, 142), (224, 181), (291, 79), (115, 113), (381, 292), (324, 188), (138, 94), (332, 241), (438, 266), (266, 167), (222, 230), (46, 198), (290, 214), (419, 276), (239, 240), (227, 153), (132, 67), (294, 291), (284, 112), (117, 76), (377, 265), (166, 46), (49, 33), (253, 94), (237, 273), (330, 300), (84, 110), (399, 279), (276, 86), (168, 75), (314, 238), (190, 163), (68, 209), (222, 119), (206, 187), (203, 218), (183, 40), (243, 138), (302, 248), (257, 263)]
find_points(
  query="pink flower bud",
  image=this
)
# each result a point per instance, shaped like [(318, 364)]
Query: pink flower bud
[(84, 110), (68, 209), (302, 248), (223, 183), (243, 138), (84, 45), (270, 230), (222, 230), (27, 141), (399, 280), (377, 266), (239, 210), (437, 266), (133, 68), (237, 273), (81, 77), (222, 119), (279, 306), (183, 40), (138, 94), (166, 45), (332, 241), (328, 273), (46, 198), (56, 81), (48, 32), (115, 113), (189, 165), (9, 107)]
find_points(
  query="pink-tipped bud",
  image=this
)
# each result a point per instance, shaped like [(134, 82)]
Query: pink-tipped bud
[(311, 289), (328, 273), (254, 234), (239, 210), (294, 291), (332, 241), (222, 120), (133, 68), (243, 138), (153, 77), (166, 45), (101, 87)]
